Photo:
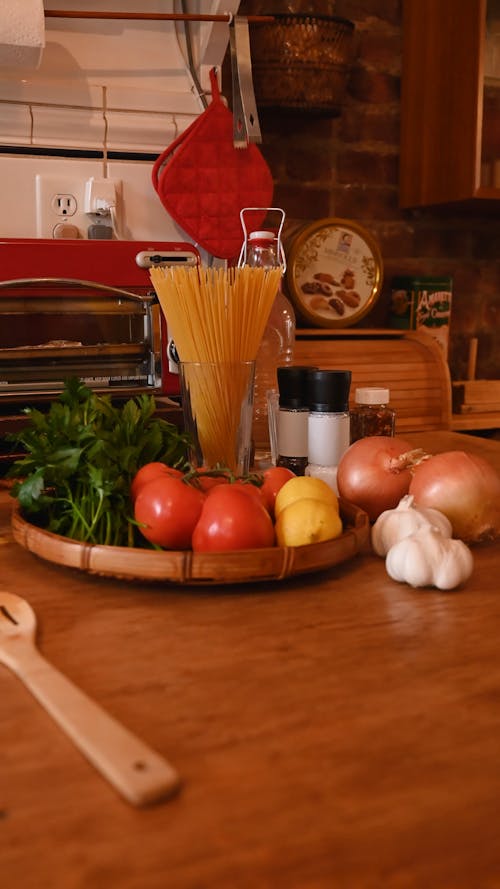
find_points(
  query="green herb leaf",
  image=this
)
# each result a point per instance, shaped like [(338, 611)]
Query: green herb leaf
[(81, 456)]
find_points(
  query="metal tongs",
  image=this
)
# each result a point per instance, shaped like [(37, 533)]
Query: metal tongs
[(246, 127)]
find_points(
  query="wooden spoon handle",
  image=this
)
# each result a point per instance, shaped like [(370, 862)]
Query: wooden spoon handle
[(136, 771)]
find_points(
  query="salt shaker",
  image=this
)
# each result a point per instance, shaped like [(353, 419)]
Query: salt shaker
[(328, 424)]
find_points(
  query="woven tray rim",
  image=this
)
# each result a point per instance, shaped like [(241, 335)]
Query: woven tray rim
[(188, 568)]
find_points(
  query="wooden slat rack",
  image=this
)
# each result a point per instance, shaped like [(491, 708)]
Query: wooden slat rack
[(411, 365)]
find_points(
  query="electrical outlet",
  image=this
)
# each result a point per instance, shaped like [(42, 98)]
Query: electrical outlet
[(59, 198), (77, 200), (64, 205)]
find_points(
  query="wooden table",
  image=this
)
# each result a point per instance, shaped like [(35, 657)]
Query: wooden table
[(338, 730)]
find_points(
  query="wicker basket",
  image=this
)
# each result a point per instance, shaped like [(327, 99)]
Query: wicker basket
[(302, 62), (186, 567)]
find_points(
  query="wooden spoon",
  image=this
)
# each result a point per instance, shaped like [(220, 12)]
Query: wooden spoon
[(136, 771)]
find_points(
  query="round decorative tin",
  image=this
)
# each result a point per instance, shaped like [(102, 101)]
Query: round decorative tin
[(334, 272)]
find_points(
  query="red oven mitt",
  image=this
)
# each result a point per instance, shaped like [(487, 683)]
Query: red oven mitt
[(204, 181)]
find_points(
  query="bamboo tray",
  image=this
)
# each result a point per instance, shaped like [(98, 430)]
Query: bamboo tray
[(186, 567)]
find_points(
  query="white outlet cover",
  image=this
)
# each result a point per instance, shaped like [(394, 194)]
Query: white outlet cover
[(64, 205), (63, 197), (48, 213)]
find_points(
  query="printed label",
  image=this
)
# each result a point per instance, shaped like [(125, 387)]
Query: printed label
[(427, 310)]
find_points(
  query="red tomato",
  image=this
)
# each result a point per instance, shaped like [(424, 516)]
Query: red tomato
[(232, 519), (167, 511), (254, 491), (147, 473), (274, 479)]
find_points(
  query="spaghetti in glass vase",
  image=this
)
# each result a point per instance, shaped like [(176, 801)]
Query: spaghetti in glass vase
[(217, 319)]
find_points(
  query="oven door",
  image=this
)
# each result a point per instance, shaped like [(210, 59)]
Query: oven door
[(123, 265), (55, 328)]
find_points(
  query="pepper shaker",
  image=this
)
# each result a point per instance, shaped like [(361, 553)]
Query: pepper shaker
[(293, 415)]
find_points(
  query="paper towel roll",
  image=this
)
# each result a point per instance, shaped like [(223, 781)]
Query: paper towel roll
[(22, 33)]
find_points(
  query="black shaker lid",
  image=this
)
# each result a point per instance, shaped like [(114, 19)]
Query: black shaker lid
[(329, 390), (293, 386)]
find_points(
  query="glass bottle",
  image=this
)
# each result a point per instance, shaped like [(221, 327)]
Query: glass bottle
[(371, 414), (328, 424), (276, 347)]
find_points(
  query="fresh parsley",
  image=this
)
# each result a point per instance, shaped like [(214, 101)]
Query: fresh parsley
[(80, 458)]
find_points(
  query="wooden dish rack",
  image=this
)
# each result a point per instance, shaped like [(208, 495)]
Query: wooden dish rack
[(411, 365), (476, 403)]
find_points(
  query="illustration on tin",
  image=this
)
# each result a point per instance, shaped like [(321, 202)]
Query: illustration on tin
[(335, 273)]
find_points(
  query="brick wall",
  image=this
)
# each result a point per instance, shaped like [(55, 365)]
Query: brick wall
[(347, 167)]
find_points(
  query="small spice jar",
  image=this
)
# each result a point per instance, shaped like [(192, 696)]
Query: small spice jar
[(371, 414)]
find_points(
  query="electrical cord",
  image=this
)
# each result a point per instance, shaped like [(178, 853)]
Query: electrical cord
[(115, 223), (190, 58)]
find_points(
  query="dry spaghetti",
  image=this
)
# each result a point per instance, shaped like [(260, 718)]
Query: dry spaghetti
[(217, 318), (216, 314)]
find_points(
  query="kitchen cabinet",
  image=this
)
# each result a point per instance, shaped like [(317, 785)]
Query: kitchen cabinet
[(450, 104)]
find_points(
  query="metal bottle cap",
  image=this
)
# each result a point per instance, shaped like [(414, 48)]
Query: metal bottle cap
[(262, 236)]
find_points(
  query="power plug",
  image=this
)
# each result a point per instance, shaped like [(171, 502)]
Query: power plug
[(100, 196)]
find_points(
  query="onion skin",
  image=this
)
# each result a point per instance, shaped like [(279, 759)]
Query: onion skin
[(466, 488), (371, 475)]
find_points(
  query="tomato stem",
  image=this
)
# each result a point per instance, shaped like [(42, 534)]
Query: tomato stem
[(193, 475)]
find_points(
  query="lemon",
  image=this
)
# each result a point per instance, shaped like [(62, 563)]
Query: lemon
[(307, 520), (304, 486)]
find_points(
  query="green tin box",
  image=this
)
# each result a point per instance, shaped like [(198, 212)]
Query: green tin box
[(422, 303)]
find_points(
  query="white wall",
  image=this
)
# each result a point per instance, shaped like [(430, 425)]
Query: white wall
[(106, 86)]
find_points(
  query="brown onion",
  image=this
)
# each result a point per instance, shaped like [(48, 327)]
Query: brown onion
[(466, 488), (374, 473)]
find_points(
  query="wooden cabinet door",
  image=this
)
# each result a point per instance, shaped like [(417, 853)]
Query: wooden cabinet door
[(442, 93)]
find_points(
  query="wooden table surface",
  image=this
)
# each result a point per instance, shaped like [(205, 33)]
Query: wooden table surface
[(336, 730)]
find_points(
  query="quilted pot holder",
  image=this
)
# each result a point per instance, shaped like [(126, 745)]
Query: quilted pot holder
[(204, 182)]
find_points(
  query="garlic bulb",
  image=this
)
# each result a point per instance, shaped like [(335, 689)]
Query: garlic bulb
[(395, 524), (427, 558)]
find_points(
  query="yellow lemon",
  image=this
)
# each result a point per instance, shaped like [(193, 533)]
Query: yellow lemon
[(304, 486), (307, 520)]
